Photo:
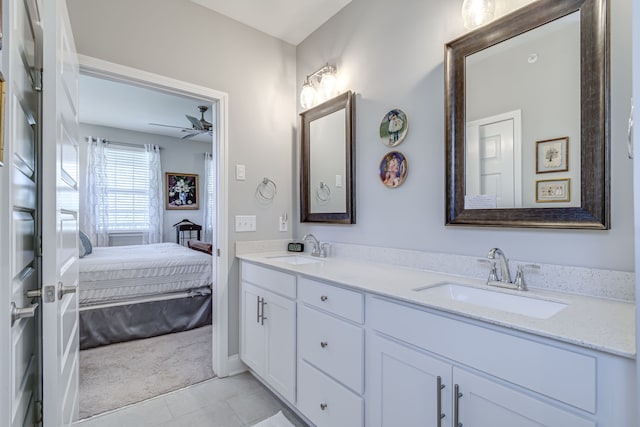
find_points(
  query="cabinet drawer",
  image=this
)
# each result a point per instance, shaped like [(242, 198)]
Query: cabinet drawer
[(345, 303), (325, 402), (273, 280), (561, 374), (333, 345)]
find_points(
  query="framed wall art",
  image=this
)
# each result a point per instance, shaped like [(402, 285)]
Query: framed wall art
[(552, 155), (181, 190), (393, 127), (553, 190), (393, 169)]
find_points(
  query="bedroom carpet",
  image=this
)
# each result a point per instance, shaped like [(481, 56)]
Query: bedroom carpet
[(117, 375)]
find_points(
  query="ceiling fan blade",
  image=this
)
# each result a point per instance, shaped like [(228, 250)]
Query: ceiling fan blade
[(191, 135), (195, 122), (167, 126)]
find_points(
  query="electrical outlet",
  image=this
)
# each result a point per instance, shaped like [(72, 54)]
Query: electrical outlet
[(283, 223), (245, 223)]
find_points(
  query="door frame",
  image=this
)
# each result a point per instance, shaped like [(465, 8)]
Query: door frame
[(223, 365)]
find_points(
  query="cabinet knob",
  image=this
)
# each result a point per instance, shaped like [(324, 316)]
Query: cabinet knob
[(323, 406), (323, 344), (324, 298)]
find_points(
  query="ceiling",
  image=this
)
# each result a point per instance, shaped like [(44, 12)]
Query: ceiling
[(288, 20), (122, 106)]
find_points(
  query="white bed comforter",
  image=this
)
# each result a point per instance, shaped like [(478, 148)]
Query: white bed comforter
[(126, 272)]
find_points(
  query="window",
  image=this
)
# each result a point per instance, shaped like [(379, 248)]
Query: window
[(126, 188)]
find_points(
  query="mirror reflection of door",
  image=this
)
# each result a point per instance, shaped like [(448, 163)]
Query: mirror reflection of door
[(494, 160)]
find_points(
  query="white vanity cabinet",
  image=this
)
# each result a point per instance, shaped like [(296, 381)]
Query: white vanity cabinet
[(330, 354), (424, 368), (268, 326)]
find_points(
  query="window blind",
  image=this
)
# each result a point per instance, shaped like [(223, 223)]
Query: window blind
[(127, 187)]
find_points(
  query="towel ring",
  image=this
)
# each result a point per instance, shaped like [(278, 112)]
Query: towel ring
[(323, 192), (266, 190)]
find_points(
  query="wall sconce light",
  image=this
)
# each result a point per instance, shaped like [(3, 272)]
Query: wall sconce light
[(477, 12), (327, 85)]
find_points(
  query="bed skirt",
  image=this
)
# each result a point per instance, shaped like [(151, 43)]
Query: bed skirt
[(125, 322)]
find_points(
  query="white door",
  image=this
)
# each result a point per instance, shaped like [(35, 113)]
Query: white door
[(20, 263), (252, 334), (405, 386), (493, 159), (279, 317), (59, 217), (483, 403)]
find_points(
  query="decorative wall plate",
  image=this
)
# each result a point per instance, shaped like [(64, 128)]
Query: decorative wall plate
[(393, 169), (393, 127)]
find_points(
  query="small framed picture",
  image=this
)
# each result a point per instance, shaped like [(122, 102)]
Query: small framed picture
[(181, 190), (553, 190), (552, 155)]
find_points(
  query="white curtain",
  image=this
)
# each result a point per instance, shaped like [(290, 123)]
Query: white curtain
[(210, 197), (156, 196), (95, 219)]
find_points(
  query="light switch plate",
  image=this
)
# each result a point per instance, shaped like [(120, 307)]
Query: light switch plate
[(338, 181), (245, 223), (240, 173)]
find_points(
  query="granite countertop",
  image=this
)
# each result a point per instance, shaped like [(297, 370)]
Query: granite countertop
[(595, 323)]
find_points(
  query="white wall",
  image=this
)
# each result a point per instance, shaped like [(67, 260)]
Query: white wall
[(391, 55), (184, 41), (176, 155)]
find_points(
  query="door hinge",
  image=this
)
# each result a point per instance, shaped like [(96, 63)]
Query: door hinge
[(39, 246), (37, 407), (37, 82), (218, 252)]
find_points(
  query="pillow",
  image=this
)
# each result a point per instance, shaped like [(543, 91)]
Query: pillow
[(82, 252), (85, 244)]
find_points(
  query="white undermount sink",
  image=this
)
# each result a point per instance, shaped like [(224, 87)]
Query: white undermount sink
[(519, 304), (295, 259)]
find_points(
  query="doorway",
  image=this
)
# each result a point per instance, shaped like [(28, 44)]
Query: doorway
[(217, 103)]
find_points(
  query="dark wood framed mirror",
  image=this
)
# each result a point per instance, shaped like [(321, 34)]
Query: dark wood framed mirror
[(509, 56), (327, 176)]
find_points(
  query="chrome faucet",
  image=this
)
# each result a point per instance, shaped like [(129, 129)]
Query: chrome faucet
[(318, 249), (505, 275)]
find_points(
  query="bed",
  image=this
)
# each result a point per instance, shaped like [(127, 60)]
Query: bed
[(140, 291)]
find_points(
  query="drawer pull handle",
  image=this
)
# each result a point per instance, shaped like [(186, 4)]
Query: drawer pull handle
[(323, 344), (324, 298), (323, 406)]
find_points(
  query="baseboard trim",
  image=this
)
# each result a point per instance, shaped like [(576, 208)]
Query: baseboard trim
[(235, 365)]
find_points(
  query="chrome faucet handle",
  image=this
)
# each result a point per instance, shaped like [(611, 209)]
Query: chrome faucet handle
[(324, 250), (493, 275), (519, 281)]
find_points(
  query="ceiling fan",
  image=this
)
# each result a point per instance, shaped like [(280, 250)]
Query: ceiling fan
[(198, 126)]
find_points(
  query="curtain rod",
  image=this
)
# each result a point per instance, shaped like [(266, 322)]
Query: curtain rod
[(126, 144)]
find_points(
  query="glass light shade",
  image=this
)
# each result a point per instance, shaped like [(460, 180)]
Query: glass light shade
[(328, 85), (477, 12), (307, 95)]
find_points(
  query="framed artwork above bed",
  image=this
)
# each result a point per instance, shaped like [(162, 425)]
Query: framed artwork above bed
[(181, 190)]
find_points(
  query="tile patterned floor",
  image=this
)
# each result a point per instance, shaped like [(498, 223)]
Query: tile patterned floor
[(237, 401)]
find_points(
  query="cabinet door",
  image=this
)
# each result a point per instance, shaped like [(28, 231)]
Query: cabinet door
[(405, 386), (280, 328), (252, 332), (482, 403)]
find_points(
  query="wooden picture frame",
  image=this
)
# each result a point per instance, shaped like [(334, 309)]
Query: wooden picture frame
[(553, 190), (552, 155), (181, 191)]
